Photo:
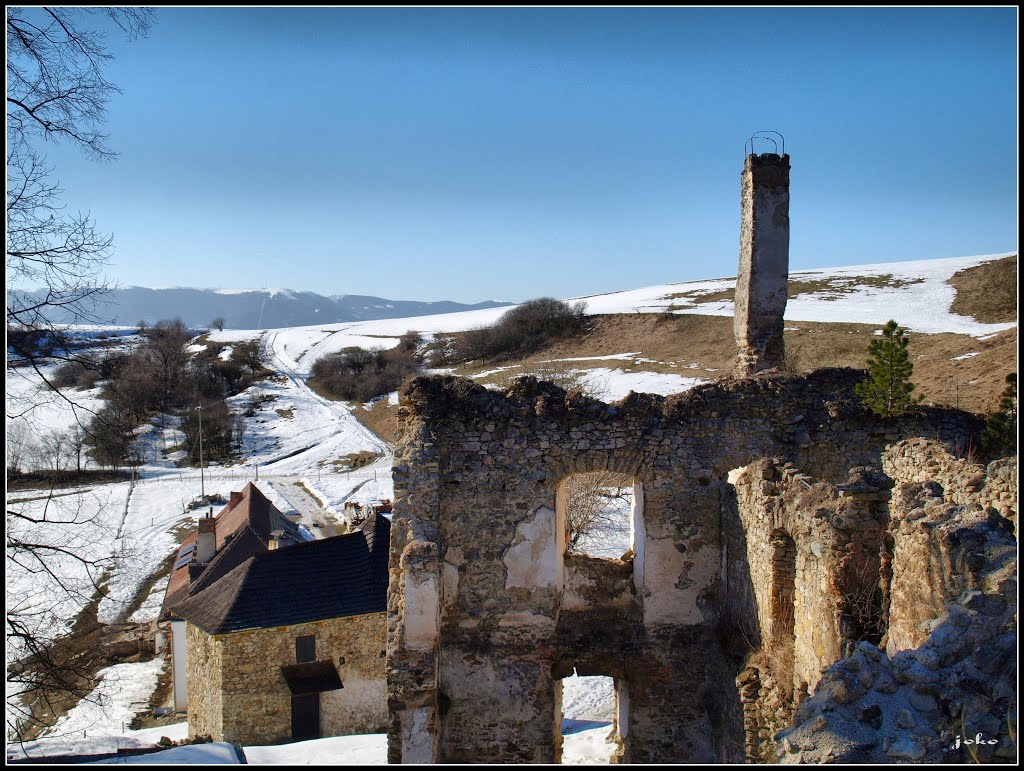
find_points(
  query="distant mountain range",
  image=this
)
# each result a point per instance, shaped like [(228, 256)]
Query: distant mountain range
[(252, 309)]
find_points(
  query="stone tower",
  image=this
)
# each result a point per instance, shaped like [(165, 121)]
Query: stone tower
[(761, 284)]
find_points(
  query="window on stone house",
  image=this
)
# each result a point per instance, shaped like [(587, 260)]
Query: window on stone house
[(305, 649)]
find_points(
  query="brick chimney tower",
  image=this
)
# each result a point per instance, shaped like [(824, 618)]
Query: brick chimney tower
[(761, 284)]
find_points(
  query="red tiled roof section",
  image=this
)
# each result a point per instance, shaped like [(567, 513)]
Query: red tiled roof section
[(252, 508)]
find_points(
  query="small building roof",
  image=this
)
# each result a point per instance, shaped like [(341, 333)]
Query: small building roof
[(332, 578), (242, 529)]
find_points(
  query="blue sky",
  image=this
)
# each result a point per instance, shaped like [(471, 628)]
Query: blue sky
[(483, 153)]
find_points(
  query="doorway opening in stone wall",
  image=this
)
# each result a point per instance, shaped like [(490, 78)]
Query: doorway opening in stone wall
[(588, 720), (599, 510), (305, 716)]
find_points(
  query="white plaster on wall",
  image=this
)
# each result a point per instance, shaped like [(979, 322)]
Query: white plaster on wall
[(664, 602), (533, 561), (421, 610)]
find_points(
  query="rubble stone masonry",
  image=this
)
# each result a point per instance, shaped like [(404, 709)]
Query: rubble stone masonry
[(486, 612), (237, 692)]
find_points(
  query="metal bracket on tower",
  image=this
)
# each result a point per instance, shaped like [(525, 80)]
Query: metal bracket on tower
[(760, 135)]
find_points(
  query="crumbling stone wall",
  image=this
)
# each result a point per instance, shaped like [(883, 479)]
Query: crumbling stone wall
[(237, 692), (952, 633), (928, 570), (824, 542), (962, 482), (485, 613)]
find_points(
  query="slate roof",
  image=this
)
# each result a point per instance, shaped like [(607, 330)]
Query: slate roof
[(332, 578), (377, 532)]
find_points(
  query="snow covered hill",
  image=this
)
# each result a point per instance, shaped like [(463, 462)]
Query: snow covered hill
[(250, 308)]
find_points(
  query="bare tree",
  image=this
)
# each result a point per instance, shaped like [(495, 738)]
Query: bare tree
[(56, 92), (19, 445), (218, 324), (589, 505), (50, 547), (54, 451)]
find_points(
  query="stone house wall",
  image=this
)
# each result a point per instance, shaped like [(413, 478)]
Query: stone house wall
[(238, 694), (485, 613), (205, 683)]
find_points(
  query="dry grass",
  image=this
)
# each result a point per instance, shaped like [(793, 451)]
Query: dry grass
[(826, 288), (675, 342), (381, 418), (987, 292)]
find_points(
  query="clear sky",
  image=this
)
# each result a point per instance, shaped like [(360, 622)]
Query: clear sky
[(487, 153)]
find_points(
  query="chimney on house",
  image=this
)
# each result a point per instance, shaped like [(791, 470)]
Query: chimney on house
[(235, 498), (279, 539), (763, 278), (206, 543)]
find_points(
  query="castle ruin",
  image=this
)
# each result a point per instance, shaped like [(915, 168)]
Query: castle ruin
[(769, 539)]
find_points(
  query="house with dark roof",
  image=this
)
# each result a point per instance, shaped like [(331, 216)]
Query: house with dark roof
[(289, 643), (249, 525)]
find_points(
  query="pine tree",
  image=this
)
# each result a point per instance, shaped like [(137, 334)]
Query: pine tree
[(887, 389), (1000, 434)]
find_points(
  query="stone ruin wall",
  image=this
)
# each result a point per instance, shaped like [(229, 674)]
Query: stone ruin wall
[(947, 667), (828, 571), (485, 614), (924, 575)]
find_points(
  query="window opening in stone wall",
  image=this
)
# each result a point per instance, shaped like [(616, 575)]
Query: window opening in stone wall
[(588, 721), (598, 510), (305, 649), (782, 641)]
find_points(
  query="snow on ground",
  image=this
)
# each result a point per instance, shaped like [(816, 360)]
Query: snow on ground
[(922, 307), (614, 384), (96, 743), (99, 723), (150, 607), (588, 698), (362, 749), (588, 709), (80, 522), (192, 754)]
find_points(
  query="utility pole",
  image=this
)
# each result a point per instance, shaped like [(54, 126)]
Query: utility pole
[(202, 480)]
